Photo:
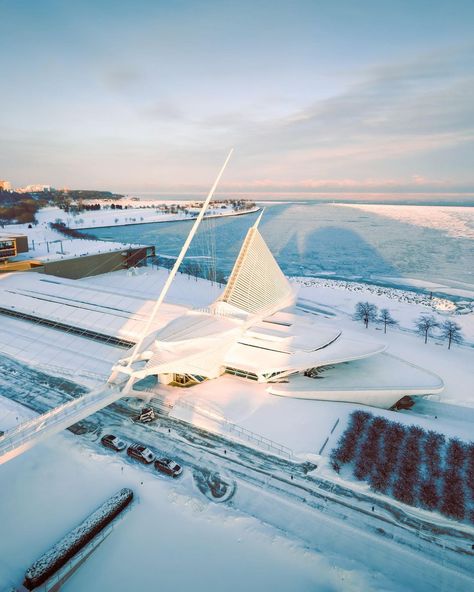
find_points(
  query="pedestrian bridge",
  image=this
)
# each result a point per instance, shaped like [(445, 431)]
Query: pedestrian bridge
[(26, 435)]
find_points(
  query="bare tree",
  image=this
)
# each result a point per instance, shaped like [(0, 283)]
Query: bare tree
[(365, 311), (424, 324), (386, 318), (452, 332)]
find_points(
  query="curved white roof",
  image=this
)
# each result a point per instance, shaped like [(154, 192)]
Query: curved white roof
[(380, 381), (195, 325)]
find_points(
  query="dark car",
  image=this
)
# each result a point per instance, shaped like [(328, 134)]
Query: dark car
[(114, 442), (168, 466), (141, 453)]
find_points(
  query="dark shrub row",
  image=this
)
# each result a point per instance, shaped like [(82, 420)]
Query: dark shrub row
[(408, 468), (369, 448), (412, 465), (346, 449), (387, 457)]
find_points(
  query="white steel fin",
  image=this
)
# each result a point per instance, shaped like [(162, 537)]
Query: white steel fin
[(257, 284)]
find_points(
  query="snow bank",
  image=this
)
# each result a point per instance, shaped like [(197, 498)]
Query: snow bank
[(75, 540)]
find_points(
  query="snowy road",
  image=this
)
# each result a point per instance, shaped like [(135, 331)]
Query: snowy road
[(444, 549)]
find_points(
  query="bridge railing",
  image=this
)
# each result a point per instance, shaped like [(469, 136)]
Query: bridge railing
[(26, 431), (74, 403)]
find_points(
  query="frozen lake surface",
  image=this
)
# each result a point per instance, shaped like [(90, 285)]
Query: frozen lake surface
[(424, 246)]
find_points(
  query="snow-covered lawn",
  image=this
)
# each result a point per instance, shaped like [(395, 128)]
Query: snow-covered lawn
[(173, 539), (139, 215), (46, 244), (136, 213), (404, 305), (117, 304)]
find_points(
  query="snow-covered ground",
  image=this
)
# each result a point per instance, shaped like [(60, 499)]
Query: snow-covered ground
[(187, 541), (405, 306), (46, 244), (172, 539), (145, 212)]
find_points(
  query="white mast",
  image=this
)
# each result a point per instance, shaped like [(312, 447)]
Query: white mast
[(166, 287)]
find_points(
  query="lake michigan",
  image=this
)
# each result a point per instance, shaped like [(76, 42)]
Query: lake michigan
[(428, 247)]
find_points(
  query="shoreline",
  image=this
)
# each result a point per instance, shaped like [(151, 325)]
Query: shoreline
[(436, 291), (439, 302), (187, 219)]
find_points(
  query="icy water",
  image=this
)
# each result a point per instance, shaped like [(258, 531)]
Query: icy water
[(408, 245)]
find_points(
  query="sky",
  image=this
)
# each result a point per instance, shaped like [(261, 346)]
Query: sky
[(344, 96)]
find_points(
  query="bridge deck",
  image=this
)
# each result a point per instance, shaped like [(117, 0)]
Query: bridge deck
[(26, 435)]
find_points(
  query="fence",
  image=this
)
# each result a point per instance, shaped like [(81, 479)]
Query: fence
[(242, 433)]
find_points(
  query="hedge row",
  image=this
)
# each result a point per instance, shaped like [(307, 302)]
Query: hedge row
[(49, 563)]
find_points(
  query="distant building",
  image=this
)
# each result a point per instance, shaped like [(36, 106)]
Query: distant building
[(38, 188), (11, 245), (5, 185)]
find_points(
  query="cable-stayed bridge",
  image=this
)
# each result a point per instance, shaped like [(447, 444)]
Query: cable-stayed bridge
[(27, 434)]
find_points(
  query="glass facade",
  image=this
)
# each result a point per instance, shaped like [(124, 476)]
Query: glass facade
[(7, 249)]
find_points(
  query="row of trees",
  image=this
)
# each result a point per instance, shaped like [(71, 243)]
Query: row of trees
[(450, 331), (416, 467), (18, 208), (368, 312), (425, 324), (73, 202), (61, 227)]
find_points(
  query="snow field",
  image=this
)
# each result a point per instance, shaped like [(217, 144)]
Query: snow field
[(176, 539), (173, 538)]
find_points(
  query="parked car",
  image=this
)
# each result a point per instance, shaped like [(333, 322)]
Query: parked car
[(141, 453), (146, 415), (114, 442), (168, 466)]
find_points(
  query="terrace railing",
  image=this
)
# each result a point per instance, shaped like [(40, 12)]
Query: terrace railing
[(238, 431)]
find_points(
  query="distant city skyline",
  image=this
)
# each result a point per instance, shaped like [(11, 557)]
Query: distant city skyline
[(316, 97)]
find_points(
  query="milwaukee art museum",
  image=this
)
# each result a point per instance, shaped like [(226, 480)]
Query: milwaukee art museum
[(254, 332), (251, 335)]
